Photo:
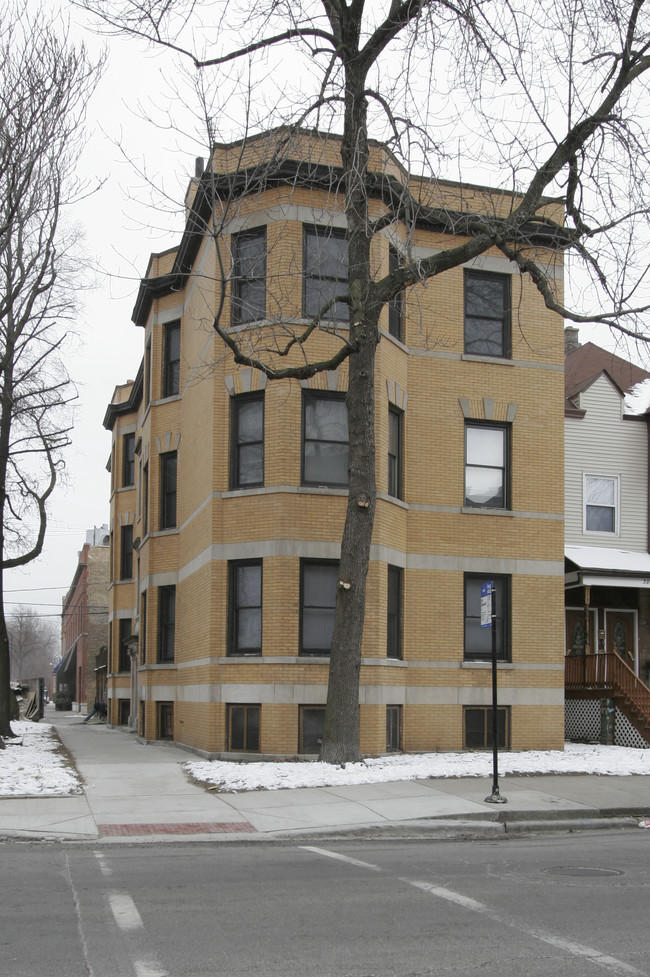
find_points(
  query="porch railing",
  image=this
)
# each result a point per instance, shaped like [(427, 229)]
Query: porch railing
[(607, 671)]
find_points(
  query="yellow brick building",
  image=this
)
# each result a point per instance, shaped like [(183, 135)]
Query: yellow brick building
[(229, 492)]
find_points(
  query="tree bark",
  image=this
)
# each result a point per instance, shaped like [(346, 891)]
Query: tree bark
[(341, 730)]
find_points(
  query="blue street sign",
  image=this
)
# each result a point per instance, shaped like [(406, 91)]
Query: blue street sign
[(486, 604)]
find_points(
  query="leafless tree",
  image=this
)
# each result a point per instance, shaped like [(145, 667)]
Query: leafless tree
[(44, 85), (545, 101), (34, 641)]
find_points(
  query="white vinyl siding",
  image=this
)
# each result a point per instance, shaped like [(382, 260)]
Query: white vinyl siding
[(604, 443)]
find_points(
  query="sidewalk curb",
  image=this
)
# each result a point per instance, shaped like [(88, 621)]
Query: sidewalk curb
[(437, 829)]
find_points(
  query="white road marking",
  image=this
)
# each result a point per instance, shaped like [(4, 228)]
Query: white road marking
[(148, 968), (613, 964), (124, 910), (341, 858), (104, 867)]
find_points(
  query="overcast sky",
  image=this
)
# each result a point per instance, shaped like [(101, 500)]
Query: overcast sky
[(108, 349), (120, 234)]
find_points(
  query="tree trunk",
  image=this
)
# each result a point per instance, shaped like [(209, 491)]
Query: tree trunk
[(5, 687), (6, 403), (341, 730)]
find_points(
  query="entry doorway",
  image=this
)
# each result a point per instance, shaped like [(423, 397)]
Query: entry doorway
[(575, 641), (621, 636)]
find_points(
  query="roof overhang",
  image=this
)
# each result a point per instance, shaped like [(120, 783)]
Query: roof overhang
[(602, 566)]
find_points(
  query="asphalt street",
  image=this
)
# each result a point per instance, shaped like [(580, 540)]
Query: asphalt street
[(570, 905)]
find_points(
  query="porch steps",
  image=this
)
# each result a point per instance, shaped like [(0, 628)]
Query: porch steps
[(606, 672)]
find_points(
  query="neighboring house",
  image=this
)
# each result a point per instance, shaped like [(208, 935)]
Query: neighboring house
[(228, 493), (606, 546), (81, 673)]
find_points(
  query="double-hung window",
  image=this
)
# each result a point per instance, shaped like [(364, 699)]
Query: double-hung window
[(601, 495), (128, 460), (324, 439), (478, 640), (247, 440), (487, 313), (245, 636), (394, 613), (124, 634), (395, 452), (396, 305), (249, 276), (486, 465), (168, 462), (326, 273), (166, 623), (145, 499), (126, 555), (317, 604), (143, 627), (172, 359)]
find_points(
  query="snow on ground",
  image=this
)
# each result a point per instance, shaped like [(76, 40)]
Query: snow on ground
[(576, 758), (34, 763)]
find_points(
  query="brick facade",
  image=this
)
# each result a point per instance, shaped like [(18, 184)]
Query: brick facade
[(84, 620), (428, 534)]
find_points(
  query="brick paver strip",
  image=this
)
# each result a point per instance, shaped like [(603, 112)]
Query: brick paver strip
[(188, 828)]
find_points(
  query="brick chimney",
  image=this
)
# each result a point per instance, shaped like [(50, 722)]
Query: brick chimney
[(571, 340)]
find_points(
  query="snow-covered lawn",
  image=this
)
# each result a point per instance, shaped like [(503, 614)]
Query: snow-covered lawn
[(576, 758), (38, 766)]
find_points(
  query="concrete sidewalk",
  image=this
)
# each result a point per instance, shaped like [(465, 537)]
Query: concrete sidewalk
[(138, 792)]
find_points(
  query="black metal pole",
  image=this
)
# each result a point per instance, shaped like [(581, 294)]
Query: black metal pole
[(495, 797)]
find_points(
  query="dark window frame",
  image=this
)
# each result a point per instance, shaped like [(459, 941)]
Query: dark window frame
[(164, 720), (245, 309), (396, 304), (126, 552), (394, 611), (251, 727), (171, 379), (499, 349), (166, 624), (123, 712), (393, 729), (471, 621), (145, 499), (147, 373), (305, 565), (237, 446), (311, 396), (235, 608), (124, 632), (168, 489), (143, 627), (128, 460), (483, 716), (506, 429), (395, 451), (301, 738), (311, 279)]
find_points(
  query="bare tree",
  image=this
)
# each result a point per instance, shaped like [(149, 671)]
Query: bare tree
[(33, 642), (542, 100), (44, 85)]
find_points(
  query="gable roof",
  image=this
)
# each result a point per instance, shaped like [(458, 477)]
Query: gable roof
[(584, 364)]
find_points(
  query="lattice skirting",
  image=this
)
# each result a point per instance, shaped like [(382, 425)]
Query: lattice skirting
[(582, 722)]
